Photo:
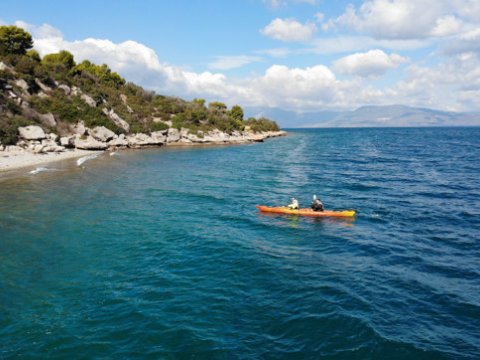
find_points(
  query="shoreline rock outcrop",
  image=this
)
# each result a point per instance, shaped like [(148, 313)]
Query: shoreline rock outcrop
[(34, 139)]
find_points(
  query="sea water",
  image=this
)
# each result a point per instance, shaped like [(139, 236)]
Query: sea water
[(161, 253)]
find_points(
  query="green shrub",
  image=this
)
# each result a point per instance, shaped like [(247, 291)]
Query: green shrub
[(102, 73), (9, 128), (262, 124), (157, 126), (72, 109), (25, 65)]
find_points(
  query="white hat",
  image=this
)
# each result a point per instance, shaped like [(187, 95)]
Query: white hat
[(314, 197)]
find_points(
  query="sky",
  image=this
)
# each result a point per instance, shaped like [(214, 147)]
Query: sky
[(300, 55)]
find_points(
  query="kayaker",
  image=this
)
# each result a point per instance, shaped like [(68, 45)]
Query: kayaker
[(294, 204), (317, 205)]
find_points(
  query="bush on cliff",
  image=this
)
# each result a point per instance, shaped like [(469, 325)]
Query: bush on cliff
[(262, 124), (71, 110), (9, 128)]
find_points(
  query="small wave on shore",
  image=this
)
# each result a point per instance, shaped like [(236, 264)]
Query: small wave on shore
[(86, 158), (41, 169)]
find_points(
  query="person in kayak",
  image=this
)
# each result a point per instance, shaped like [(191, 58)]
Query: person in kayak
[(294, 204), (317, 205)]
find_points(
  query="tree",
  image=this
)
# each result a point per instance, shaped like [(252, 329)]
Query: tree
[(236, 113), (34, 55), (61, 60), (14, 40), (102, 73), (25, 65), (217, 105), (199, 102)]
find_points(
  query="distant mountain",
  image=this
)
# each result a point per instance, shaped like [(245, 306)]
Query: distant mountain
[(368, 116)]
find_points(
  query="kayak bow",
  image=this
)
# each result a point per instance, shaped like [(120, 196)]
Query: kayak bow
[(306, 212)]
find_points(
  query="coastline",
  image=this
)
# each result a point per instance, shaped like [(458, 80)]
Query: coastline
[(14, 160), (22, 158)]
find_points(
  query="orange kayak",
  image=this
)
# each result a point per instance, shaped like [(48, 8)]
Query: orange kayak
[(306, 212)]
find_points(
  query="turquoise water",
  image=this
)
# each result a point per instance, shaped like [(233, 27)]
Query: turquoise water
[(161, 253)]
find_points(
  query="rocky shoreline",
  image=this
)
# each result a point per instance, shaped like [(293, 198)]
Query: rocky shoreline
[(36, 147)]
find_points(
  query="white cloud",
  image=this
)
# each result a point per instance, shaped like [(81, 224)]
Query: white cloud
[(276, 52), (42, 31), (296, 85), (275, 4), (402, 19), (445, 26), (319, 16), (370, 64), (232, 62), (289, 30), (346, 44), (449, 85), (311, 2), (468, 42), (468, 9)]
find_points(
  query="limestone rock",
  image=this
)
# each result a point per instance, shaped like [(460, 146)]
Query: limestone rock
[(52, 136), (120, 141), (75, 91), (184, 133), (101, 133), (88, 100), (31, 132), (67, 141), (160, 136), (194, 138), (140, 139), (37, 149), (42, 86), (50, 145), (66, 89), (89, 143), (257, 137), (11, 94), (3, 66), (112, 115), (173, 135), (22, 84), (80, 128), (48, 119), (184, 141), (216, 136), (23, 144)]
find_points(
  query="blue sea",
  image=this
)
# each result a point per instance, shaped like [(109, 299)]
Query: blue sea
[(161, 253)]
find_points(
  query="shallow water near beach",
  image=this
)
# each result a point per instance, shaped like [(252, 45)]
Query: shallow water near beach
[(162, 253)]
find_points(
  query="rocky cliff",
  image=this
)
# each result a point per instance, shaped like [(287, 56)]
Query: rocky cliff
[(48, 115)]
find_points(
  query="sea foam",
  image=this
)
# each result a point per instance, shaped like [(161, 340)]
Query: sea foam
[(41, 169), (86, 158)]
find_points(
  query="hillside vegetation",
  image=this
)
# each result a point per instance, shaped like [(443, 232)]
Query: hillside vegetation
[(56, 93)]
